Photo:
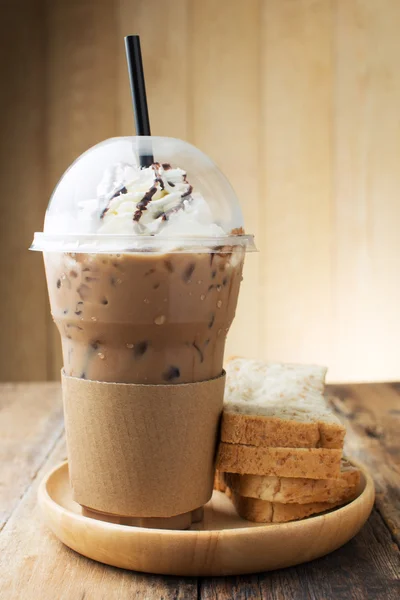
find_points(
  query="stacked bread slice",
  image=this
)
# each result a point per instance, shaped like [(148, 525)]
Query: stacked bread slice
[(281, 449)]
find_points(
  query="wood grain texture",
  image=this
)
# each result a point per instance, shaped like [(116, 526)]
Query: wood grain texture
[(300, 110), (23, 307), (224, 122), (366, 255), (30, 425), (34, 563), (296, 134), (372, 416), (221, 544), (81, 93), (366, 568), (165, 36)]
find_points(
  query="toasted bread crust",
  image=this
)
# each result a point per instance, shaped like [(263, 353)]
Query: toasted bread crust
[(261, 511), (310, 463), (294, 490), (256, 430), (219, 481)]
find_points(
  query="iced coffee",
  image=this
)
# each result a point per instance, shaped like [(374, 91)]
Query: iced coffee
[(144, 266)]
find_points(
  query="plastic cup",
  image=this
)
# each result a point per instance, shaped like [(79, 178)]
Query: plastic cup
[(143, 304)]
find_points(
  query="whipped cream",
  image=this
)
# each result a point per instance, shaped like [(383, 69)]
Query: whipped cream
[(148, 201)]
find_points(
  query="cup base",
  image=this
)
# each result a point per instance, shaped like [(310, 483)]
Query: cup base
[(182, 521)]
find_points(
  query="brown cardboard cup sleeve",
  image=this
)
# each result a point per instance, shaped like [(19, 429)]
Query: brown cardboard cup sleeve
[(142, 450)]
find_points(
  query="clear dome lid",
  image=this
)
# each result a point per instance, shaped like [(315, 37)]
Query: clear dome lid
[(117, 197)]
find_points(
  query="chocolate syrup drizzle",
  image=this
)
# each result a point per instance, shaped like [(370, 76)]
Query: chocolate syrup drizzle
[(142, 205), (147, 198), (165, 216), (122, 190), (188, 194)]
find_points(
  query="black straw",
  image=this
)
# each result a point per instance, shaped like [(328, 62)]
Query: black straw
[(138, 89)]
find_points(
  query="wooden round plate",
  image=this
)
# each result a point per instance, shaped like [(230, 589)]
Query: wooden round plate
[(222, 544)]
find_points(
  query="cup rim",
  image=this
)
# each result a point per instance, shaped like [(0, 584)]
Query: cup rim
[(92, 243)]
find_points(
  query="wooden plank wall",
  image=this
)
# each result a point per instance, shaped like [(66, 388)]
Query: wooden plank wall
[(24, 347), (296, 100)]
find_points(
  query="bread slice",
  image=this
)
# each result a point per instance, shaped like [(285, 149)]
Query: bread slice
[(310, 463), (295, 490), (261, 511), (219, 481), (280, 432), (278, 405)]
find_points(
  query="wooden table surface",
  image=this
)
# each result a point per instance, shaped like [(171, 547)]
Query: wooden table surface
[(34, 565)]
